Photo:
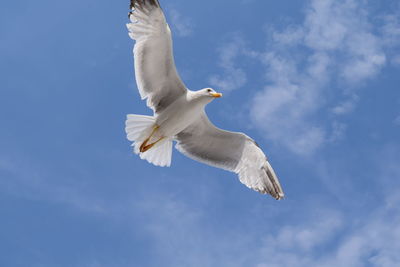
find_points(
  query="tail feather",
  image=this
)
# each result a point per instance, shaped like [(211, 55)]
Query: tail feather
[(160, 154), (138, 128)]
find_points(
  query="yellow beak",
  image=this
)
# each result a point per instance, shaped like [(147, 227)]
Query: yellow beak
[(216, 95)]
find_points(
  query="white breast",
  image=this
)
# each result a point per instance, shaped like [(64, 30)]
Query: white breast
[(179, 115)]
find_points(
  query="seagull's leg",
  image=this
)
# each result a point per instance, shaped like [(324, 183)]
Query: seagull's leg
[(148, 138), (147, 147), (144, 146)]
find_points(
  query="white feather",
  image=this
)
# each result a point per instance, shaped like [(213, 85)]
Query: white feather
[(232, 151), (156, 75)]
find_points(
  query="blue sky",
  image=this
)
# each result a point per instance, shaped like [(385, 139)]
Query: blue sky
[(316, 83)]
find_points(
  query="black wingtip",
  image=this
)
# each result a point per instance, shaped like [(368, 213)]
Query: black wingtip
[(141, 3)]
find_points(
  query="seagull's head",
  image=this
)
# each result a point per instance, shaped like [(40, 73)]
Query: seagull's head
[(205, 95), (209, 92)]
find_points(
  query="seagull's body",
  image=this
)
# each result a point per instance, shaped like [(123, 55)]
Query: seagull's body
[(179, 113), (184, 111)]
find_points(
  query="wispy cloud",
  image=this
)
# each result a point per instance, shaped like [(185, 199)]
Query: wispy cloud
[(391, 28), (294, 245), (232, 77), (338, 131), (181, 25), (283, 109), (335, 48), (334, 236), (332, 240), (183, 235), (346, 106), (325, 237), (391, 35)]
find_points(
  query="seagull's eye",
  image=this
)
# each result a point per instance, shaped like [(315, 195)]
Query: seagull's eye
[(209, 90)]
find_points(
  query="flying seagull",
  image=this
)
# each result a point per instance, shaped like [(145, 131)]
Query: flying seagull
[(179, 112)]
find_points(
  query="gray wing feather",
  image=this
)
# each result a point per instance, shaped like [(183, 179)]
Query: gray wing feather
[(232, 151), (142, 3), (155, 71)]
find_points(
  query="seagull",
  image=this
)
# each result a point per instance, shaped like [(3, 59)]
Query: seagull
[(179, 113)]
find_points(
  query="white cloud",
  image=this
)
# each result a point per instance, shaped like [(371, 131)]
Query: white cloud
[(338, 131), (336, 48), (294, 245), (345, 106), (336, 240), (391, 35), (182, 26), (326, 236), (365, 57), (307, 238), (282, 109), (391, 29), (184, 236), (375, 242), (232, 77)]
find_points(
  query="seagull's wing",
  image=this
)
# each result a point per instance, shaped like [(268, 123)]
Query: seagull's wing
[(232, 151), (156, 75)]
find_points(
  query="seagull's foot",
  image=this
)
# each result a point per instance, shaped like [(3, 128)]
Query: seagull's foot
[(144, 147)]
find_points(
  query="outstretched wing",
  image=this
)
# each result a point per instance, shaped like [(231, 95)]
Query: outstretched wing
[(156, 75), (232, 151)]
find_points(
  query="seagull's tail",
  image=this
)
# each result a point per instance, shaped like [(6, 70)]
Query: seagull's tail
[(138, 128)]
